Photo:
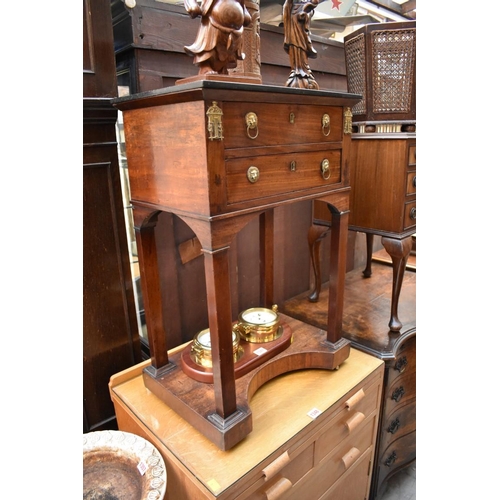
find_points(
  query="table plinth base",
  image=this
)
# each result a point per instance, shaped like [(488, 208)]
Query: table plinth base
[(195, 401)]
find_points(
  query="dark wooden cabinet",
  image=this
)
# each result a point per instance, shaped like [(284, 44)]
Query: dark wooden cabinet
[(110, 335)]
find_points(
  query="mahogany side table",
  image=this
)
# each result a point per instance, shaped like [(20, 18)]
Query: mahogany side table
[(217, 154)]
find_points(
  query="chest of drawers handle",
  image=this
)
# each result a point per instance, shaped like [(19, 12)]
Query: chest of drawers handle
[(350, 457), (353, 400), (394, 426), (390, 459), (413, 214), (252, 125), (354, 421), (398, 394), (274, 467), (278, 489), (325, 169), (401, 364)]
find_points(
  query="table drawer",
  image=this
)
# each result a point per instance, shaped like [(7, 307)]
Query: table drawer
[(411, 183), (402, 390), (348, 421), (400, 422), (404, 362), (412, 155), (279, 124), (399, 453), (346, 456), (281, 174), (410, 216)]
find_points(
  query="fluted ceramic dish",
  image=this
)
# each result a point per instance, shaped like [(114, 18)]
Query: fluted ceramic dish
[(121, 466)]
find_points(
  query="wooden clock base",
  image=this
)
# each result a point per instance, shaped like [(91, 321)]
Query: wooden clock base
[(195, 401), (253, 355)]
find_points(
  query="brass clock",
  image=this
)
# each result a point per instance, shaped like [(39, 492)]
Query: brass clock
[(201, 349), (259, 324)]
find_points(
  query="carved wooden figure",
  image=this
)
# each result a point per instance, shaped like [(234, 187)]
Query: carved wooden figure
[(297, 16), (219, 43)]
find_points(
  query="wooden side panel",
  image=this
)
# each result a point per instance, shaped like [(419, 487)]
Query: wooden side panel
[(110, 333), (378, 180), (167, 156)]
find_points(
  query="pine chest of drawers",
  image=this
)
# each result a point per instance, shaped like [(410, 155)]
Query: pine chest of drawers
[(314, 436)]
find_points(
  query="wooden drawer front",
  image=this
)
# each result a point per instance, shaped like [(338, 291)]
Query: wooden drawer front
[(405, 361), (400, 422), (345, 457), (412, 155), (285, 479), (410, 217), (401, 391), (275, 127), (354, 484), (411, 182), (399, 453), (277, 178), (347, 422)]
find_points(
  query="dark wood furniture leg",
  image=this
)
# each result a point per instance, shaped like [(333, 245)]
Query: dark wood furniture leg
[(315, 235), (369, 252), (145, 221), (338, 257), (399, 250)]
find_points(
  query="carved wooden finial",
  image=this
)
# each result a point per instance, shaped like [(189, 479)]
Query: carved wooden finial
[(297, 16), (219, 42)]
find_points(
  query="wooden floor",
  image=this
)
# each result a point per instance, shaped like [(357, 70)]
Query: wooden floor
[(367, 306)]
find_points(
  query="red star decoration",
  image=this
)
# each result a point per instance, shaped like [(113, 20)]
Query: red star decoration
[(336, 4)]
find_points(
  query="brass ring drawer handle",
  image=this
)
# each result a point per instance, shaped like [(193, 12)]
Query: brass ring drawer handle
[(414, 182), (252, 123), (413, 213), (325, 169), (325, 124)]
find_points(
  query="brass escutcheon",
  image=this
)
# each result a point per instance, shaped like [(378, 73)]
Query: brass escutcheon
[(293, 165), (253, 174), (252, 124), (347, 121), (325, 124), (214, 126), (292, 117), (325, 169)]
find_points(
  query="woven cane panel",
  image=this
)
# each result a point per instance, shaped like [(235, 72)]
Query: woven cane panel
[(393, 70), (356, 76)]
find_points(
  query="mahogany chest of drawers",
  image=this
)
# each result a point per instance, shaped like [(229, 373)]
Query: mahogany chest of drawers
[(314, 436)]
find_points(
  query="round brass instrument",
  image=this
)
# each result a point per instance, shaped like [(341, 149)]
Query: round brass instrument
[(259, 324), (201, 349)]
